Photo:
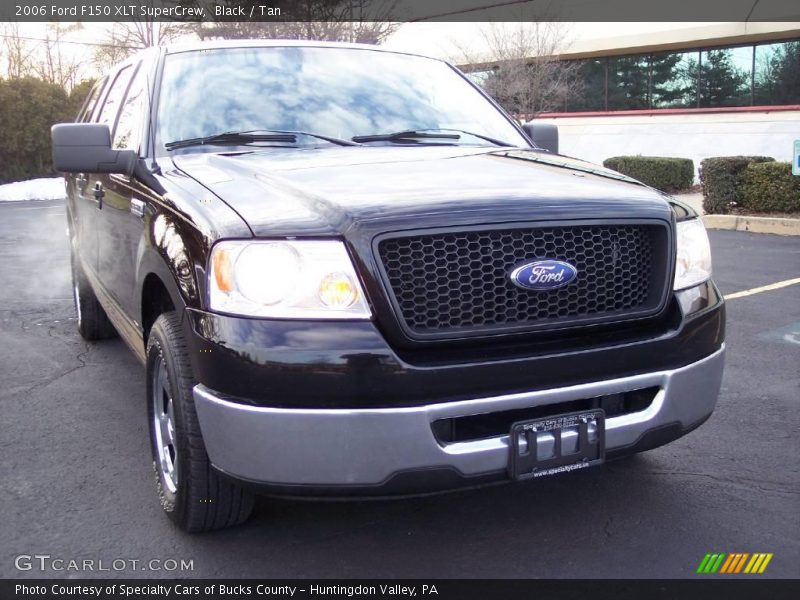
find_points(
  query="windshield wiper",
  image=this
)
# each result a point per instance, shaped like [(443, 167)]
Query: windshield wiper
[(491, 140), (413, 135), (319, 136), (233, 138), (250, 137), (404, 136)]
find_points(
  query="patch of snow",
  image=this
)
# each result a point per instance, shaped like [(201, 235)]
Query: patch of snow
[(49, 188)]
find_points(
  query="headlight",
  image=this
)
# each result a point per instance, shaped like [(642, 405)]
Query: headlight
[(693, 264), (285, 279)]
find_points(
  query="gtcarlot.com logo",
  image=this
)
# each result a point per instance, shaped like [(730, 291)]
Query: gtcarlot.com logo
[(736, 563), (46, 562)]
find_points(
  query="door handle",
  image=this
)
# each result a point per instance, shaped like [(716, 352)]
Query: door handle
[(99, 192)]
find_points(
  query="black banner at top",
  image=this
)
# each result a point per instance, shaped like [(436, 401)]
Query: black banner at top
[(400, 10)]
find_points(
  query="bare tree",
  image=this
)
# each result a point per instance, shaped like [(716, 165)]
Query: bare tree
[(19, 54), (521, 68), (50, 63), (124, 39), (360, 21)]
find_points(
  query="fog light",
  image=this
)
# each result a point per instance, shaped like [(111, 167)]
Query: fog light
[(338, 291)]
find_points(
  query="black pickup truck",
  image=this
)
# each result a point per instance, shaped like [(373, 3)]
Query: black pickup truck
[(349, 272)]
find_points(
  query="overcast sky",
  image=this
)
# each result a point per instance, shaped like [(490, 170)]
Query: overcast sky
[(441, 40)]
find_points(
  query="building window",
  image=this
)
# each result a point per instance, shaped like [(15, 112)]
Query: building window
[(628, 81), (777, 74), (673, 81), (766, 74), (591, 93), (724, 77)]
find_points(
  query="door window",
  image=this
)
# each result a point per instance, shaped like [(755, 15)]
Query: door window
[(108, 113), (86, 111), (127, 135)]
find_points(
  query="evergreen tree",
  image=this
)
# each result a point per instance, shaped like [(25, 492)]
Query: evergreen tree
[(721, 83), (669, 85), (592, 73), (28, 107), (628, 83), (778, 80)]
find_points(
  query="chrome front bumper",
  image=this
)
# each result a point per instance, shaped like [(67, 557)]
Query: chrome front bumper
[(309, 447)]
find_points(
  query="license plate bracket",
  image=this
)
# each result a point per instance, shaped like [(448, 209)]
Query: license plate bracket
[(557, 444)]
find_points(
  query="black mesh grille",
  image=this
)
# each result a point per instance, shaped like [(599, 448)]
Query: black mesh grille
[(449, 282)]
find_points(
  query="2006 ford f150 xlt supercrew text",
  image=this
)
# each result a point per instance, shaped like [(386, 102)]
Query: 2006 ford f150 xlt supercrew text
[(349, 272)]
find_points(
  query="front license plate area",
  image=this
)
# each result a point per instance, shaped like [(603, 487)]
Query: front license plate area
[(557, 444)]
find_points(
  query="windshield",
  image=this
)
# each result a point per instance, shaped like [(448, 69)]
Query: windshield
[(337, 92)]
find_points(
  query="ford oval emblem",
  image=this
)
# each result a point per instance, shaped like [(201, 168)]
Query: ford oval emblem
[(544, 275)]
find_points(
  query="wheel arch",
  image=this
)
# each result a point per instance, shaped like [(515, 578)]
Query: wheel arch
[(155, 300)]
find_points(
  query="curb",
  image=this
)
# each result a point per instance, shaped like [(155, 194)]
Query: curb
[(753, 224)]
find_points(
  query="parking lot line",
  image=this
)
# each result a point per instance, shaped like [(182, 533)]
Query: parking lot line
[(763, 288)]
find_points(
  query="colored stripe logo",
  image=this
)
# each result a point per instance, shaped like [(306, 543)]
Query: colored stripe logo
[(737, 562)]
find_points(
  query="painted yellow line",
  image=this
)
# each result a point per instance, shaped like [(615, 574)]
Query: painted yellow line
[(763, 288), (765, 563)]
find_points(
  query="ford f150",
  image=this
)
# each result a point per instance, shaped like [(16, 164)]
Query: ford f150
[(349, 272)]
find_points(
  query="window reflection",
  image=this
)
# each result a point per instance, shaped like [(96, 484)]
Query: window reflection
[(108, 113), (628, 81), (777, 73), (763, 75), (592, 94), (337, 92), (724, 77), (673, 80), (129, 124)]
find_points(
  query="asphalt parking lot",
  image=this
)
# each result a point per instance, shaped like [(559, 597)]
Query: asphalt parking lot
[(77, 482)]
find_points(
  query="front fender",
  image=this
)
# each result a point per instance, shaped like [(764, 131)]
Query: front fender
[(173, 250)]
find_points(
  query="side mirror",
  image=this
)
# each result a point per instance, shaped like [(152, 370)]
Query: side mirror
[(86, 148), (543, 135)]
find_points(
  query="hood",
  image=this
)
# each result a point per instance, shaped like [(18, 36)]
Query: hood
[(333, 191)]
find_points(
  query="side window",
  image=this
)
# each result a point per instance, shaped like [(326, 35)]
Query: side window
[(129, 124), (108, 113), (91, 100)]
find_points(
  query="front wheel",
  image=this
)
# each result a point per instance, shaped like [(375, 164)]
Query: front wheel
[(192, 494)]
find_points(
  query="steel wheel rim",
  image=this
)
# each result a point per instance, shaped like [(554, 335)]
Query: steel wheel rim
[(166, 448)]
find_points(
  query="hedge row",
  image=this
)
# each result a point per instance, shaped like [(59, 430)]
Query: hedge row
[(770, 187), (663, 173), (721, 178), (28, 107)]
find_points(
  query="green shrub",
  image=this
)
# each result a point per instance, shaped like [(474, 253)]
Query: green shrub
[(721, 180), (770, 187), (28, 107), (662, 173)]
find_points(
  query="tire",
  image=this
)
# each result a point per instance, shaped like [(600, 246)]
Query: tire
[(93, 323), (192, 494)]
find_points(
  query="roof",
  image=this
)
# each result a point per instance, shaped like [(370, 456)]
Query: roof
[(216, 44)]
